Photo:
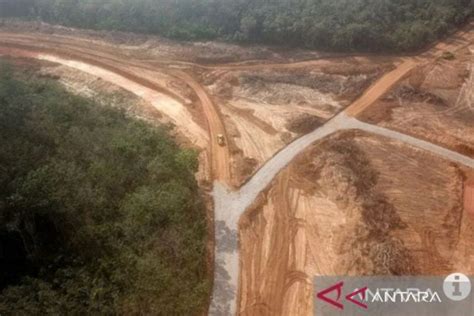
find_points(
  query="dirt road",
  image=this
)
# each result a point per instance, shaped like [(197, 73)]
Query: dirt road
[(459, 41), (165, 103), (125, 73), (220, 155), (381, 87), (104, 56)]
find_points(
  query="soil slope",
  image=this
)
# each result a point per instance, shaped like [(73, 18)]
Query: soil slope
[(349, 206)]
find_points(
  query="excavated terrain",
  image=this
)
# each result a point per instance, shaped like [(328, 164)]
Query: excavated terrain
[(265, 109), (258, 105), (434, 102), (353, 204)]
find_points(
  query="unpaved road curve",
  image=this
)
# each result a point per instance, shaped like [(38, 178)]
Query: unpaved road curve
[(220, 155), (164, 103), (113, 67), (28, 45)]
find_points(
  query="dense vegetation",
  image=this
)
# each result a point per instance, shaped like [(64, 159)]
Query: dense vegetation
[(99, 213), (367, 25)]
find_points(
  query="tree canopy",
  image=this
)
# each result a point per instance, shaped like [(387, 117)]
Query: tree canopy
[(103, 209), (342, 25)]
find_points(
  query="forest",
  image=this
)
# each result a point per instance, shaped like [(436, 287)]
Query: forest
[(335, 25), (99, 213)]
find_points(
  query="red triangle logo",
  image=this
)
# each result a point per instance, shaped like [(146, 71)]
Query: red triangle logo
[(337, 287), (350, 298)]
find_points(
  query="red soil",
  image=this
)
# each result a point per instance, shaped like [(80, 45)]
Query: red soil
[(469, 196)]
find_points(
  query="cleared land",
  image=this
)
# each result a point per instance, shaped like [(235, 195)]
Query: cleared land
[(350, 206), (265, 110), (393, 212), (434, 101), (359, 204), (259, 108)]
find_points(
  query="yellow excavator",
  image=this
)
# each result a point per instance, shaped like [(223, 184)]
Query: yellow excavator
[(221, 140)]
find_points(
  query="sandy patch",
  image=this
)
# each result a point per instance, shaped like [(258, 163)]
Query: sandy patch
[(166, 105)]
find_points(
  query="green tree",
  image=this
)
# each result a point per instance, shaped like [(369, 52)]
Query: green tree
[(107, 208)]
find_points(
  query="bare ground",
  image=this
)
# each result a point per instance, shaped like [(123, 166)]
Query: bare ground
[(350, 206), (264, 110), (469, 194), (435, 103)]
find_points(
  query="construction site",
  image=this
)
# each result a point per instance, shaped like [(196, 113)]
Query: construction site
[(311, 163)]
